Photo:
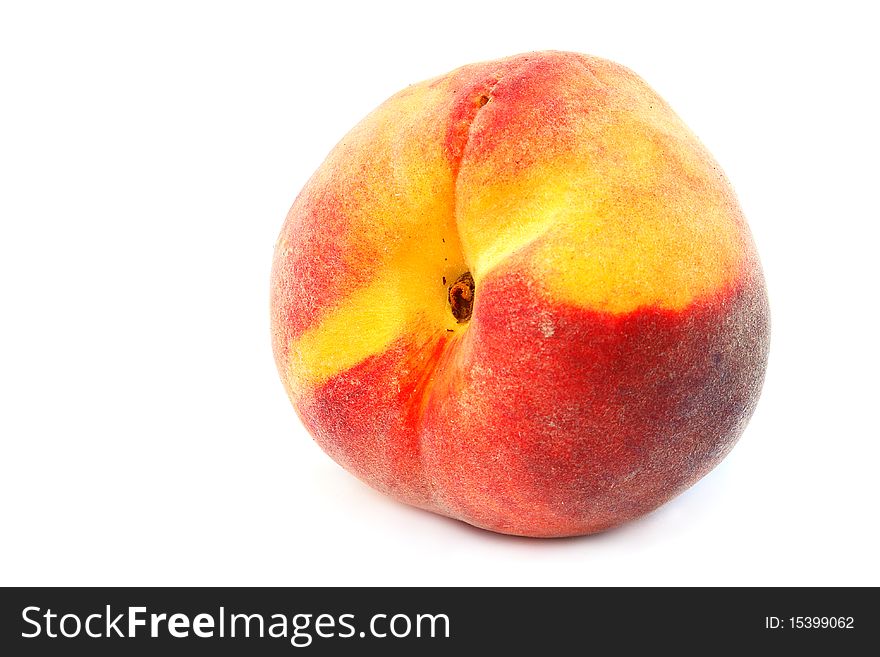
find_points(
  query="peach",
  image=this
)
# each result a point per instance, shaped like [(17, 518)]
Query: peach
[(522, 295)]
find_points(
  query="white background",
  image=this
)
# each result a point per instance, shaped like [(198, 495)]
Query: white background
[(148, 155)]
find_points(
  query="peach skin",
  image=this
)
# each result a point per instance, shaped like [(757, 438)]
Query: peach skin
[(522, 295)]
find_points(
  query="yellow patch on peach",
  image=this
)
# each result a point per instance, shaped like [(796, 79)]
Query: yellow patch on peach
[(370, 319), (397, 200), (610, 217)]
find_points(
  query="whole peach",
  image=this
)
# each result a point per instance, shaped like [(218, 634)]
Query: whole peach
[(522, 295)]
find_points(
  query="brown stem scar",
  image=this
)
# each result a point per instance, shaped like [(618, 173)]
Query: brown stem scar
[(461, 297)]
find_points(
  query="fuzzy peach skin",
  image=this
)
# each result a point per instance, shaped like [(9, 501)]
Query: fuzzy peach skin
[(613, 343)]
